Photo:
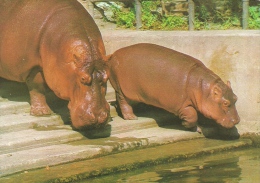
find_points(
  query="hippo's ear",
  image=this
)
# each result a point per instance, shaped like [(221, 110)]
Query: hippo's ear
[(229, 84), (82, 56), (216, 92)]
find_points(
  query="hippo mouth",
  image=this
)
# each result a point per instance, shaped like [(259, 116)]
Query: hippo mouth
[(81, 122), (99, 122)]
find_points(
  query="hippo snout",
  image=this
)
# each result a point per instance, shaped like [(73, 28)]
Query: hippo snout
[(236, 121), (83, 117), (229, 122), (98, 117)]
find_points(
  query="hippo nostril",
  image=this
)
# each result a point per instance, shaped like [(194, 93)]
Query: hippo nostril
[(102, 117), (235, 121), (91, 115)]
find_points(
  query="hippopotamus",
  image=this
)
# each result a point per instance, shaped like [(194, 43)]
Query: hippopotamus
[(55, 42), (164, 78)]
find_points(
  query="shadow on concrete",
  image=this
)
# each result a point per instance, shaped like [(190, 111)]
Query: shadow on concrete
[(162, 117), (15, 91), (212, 130), (97, 133), (168, 120)]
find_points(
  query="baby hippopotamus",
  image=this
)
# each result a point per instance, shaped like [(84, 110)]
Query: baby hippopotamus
[(171, 80)]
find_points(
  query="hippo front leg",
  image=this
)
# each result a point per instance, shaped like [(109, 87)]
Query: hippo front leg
[(126, 108), (36, 85), (189, 118)]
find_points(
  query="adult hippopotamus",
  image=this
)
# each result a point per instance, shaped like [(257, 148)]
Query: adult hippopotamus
[(171, 80), (56, 42)]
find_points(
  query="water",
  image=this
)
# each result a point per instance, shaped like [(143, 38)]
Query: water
[(241, 166)]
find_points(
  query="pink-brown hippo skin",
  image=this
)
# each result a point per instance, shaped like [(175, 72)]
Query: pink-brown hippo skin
[(171, 80), (58, 43)]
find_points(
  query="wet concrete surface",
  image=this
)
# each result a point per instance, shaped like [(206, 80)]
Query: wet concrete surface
[(126, 161), (232, 166)]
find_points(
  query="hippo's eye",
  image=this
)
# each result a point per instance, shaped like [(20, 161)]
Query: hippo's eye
[(84, 77), (226, 103)]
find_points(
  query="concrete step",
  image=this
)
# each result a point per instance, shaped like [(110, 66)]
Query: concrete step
[(13, 107), (31, 138), (20, 151), (2, 99), (118, 128), (109, 164), (22, 121)]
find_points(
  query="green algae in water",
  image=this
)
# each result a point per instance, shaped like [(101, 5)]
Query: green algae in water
[(241, 166)]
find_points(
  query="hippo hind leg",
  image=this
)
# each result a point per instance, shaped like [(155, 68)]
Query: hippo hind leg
[(189, 118), (36, 85), (126, 108)]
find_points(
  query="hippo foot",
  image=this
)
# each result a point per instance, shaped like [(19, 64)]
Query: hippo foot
[(40, 110), (130, 116), (196, 129), (199, 130)]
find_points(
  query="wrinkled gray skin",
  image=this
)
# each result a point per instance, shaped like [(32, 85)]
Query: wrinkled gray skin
[(171, 80), (55, 42)]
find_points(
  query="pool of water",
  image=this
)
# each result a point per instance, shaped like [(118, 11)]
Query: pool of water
[(241, 166)]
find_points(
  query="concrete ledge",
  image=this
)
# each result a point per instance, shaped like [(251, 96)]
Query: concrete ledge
[(126, 161), (20, 151)]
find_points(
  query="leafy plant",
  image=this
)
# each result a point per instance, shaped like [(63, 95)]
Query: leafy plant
[(174, 22), (124, 18), (254, 19), (149, 19)]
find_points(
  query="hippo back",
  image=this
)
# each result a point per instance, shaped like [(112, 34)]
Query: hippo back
[(153, 68), (25, 26)]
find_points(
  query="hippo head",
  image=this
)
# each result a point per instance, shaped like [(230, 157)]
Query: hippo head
[(88, 106), (220, 105), (78, 75)]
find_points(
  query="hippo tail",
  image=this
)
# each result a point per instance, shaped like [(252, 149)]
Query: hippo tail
[(108, 57)]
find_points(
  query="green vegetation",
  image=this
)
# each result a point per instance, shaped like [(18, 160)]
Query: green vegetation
[(151, 19), (254, 20), (124, 19), (206, 18)]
